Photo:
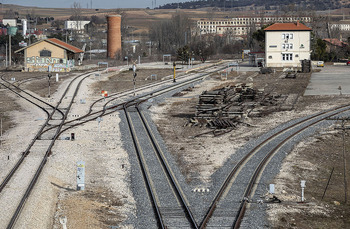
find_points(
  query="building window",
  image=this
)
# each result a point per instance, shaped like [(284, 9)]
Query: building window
[(45, 53), (287, 46), (287, 36), (287, 56)]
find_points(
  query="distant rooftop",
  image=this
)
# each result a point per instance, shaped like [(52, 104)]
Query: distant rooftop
[(288, 27), (57, 42)]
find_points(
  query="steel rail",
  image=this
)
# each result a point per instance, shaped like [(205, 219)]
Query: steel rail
[(261, 167), (242, 162), (153, 94), (37, 136), (18, 88), (48, 151), (58, 132), (143, 170), (43, 162), (35, 104), (39, 170), (168, 170)]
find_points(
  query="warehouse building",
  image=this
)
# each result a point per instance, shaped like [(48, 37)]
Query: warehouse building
[(49, 54)]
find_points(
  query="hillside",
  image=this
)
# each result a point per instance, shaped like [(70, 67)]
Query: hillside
[(258, 4)]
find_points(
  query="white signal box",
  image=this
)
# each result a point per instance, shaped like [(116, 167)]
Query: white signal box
[(80, 175)]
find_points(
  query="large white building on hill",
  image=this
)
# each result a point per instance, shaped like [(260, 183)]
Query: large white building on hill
[(239, 26)]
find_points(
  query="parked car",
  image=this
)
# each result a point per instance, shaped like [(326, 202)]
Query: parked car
[(348, 62), (320, 64)]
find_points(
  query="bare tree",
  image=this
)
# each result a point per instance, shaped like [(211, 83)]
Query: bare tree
[(76, 17), (171, 34)]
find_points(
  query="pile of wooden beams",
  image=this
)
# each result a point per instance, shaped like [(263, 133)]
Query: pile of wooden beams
[(226, 107), (225, 102)]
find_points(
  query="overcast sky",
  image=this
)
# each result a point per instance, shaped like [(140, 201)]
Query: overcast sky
[(105, 4)]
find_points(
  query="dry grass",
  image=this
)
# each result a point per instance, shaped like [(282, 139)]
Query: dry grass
[(313, 161), (96, 208)]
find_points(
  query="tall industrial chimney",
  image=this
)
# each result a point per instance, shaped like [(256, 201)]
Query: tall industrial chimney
[(114, 38)]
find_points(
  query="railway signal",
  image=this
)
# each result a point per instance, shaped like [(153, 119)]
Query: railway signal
[(134, 74), (104, 94), (49, 75)]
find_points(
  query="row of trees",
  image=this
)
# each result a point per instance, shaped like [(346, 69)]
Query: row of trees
[(266, 4), (175, 36)]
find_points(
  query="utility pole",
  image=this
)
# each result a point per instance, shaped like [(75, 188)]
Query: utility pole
[(28, 27), (6, 56), (174, 79), (10, 50), (90, 50), (344, 128)]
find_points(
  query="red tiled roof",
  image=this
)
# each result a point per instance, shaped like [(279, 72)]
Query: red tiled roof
[(288, 27), (64, 45), (336, 42)]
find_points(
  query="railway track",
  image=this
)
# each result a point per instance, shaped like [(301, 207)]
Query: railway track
[(233, 197), (50, 110), (14, 193), (230, 203), (170, 207), (40, 147), (116, 101)]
